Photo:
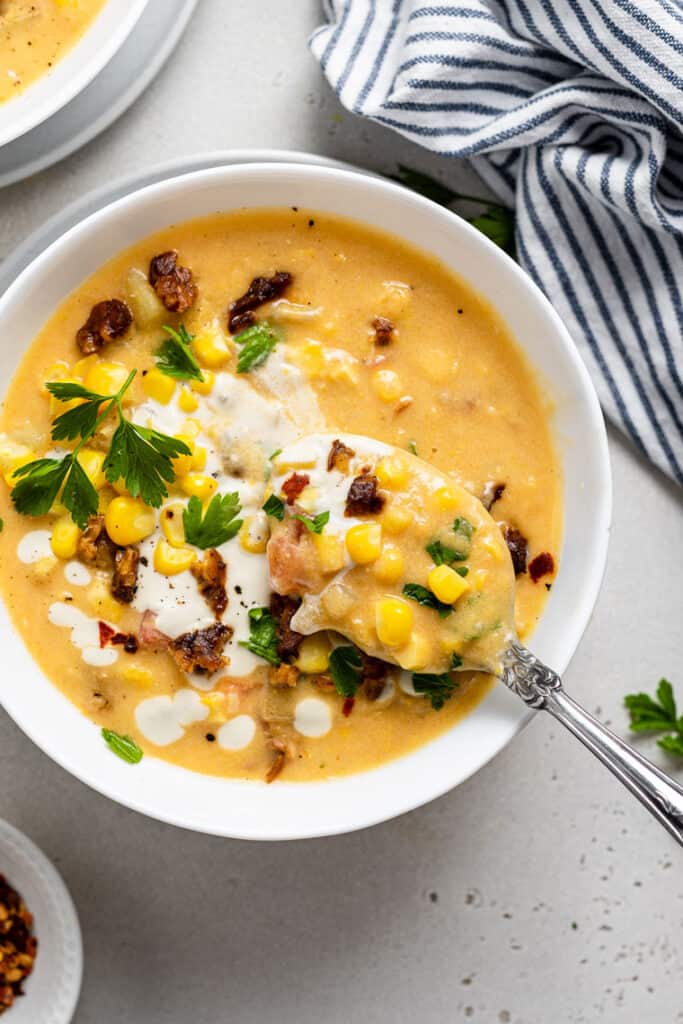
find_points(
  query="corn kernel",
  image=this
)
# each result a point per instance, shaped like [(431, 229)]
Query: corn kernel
[(19, 460), (120, 487), (314, 654), (103, 604), (254, 534), (292, 467), (137, 675), (158, 386), (393, 621), (170, 560), (489, 544), (446, 584), (129, 520), (104, 499), (211, 348), (387, 385), (82, 366), (389, 566), (11, 452), (184, 463), (395, 519), (199, 456), (199, 485), (364, 542), (57, 407), (106, 378), (330, 550), (477, 579), (217, 703), (415, 655), (187, 402), (41, 569), (171, 522), (64, 537), (204, 387), (395, 298), (310, 358), (392, 472), (446, 498), (91, 462), (191, 427), (58, 371)]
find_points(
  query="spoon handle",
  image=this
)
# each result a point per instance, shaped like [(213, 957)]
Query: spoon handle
[(540, 687)]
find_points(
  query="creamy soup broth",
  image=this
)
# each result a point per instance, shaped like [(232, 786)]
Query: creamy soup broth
[(451, 384)]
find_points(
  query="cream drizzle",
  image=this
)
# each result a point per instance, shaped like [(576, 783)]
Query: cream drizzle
[(85, 633)]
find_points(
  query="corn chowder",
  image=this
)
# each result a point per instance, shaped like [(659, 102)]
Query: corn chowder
[(35, 35), (189, 415)]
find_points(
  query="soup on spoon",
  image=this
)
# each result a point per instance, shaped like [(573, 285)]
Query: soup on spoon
[(391, 553)]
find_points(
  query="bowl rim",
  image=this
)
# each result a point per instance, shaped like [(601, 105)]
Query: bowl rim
[(78, 67), (161, 193)]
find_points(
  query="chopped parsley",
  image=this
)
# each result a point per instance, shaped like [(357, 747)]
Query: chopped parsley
[(439, 688), (274, 507), (346, 665), (124, 747), (274, 455), (648, 715), (412, 447), (140, 456), (463, 527), (314, 524), (442, 554), (422, 595), (217, 525), (257, 342), (262, 636), (175, 358)]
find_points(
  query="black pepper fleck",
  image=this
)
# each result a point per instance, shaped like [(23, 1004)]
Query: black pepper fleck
[(210, 737)]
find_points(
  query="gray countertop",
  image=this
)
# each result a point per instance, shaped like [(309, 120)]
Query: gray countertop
[(538, 891)]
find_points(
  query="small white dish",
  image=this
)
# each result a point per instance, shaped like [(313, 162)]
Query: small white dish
[(287, 810), (53, 90), (52, 989), (127, 74)]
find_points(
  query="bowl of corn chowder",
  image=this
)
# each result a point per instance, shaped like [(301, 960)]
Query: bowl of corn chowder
[(50, 50), (169, 353)]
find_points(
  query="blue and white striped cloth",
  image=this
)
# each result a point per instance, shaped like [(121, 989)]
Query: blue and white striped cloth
[(572, 111)]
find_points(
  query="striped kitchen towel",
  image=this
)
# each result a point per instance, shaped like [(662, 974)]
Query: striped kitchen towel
[(571, 111)]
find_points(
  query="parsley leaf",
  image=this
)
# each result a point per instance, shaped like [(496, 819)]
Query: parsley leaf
[(124, 747), (274, 507), (316, 524), (175, 358), (257, 341), (39, 484), (142, 457), (439, 688), (412, 447), (442, 554), (218, 525), (2, 525), (81, 421), (649, 715), (79, 496), (418, 593), (346, 667), (263, 635)]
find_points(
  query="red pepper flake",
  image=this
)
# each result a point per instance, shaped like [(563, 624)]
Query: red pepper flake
[(347, 706), (541, 565), (294, 485), (106, 633)]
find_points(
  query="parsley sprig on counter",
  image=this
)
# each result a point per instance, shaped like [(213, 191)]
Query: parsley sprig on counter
[(217, 525), (660, 715), (140, 456), (175, 357)]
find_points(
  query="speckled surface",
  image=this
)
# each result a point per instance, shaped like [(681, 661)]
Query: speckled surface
[(538, 892)]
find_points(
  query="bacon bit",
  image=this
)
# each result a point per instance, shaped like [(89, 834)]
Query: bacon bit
[(541, 565), (294, 485), (384, 331), (363, 499), (201, 650), (324, 682), (128, 641), (95, 547), (277, 765), (173, 284), (283, 675), (517, 546), (106, 321), (492, 493), (211, 575), (106, 633), (18, 946), (288, 640), (124, 581), (374, 673), (261, 289), (338, 457), (347, 706)]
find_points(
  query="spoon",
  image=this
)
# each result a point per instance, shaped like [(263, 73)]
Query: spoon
[(356, 521)]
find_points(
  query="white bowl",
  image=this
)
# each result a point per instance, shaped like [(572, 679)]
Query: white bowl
[(70, 75), (289, 810), (51, 990)]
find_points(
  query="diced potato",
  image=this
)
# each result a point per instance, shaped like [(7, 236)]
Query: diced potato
[(330, 551), (147, 308), (387, 385)]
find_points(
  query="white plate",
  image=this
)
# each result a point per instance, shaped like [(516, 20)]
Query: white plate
[(115, 88), (51, 991), (286, 810)]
